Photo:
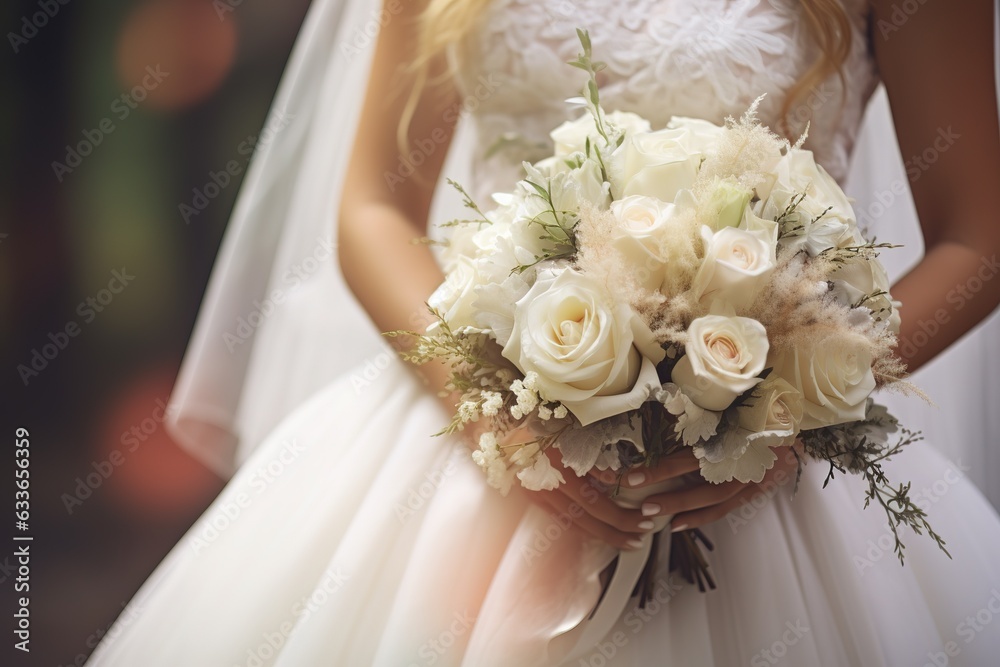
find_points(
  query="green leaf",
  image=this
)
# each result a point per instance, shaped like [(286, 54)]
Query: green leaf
[(595, 98), (542, 192)]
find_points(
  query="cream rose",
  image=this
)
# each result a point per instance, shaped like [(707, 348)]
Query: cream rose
[(702, 133), (724, 355), (657, 164), (571, 137), (642, 224), (774, 412), (770, 418), (592, 354), (736, 267), (454, 297), (834, 377)]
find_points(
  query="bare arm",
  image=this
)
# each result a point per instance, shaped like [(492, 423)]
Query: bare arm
[(938, 69), (386, 200), (392, 277)]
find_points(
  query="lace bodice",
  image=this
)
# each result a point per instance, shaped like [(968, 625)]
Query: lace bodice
[(702, 58)]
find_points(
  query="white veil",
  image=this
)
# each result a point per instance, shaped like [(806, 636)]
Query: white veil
[(277, 321)]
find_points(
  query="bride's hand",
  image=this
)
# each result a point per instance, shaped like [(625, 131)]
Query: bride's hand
[(703, 502), (582, 502), (585, 502)]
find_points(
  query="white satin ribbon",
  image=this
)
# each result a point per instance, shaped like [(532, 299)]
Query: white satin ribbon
[(580, 640)]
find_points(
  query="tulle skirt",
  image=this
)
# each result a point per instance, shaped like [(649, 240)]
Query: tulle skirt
[(353, 537)]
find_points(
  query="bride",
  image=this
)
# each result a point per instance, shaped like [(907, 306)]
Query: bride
[(349, 536)]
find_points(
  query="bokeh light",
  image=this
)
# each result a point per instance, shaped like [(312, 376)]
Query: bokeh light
[(175, 53), (143, 470)]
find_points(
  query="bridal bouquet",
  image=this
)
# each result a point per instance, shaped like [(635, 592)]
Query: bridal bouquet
[(642, 291)]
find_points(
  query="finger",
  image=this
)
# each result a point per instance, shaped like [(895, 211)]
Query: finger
[(706, 515), (669, 467), (592, 497), (607, 477), (703, 494), (564, 510)]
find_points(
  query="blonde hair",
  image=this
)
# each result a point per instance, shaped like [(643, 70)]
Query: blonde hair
[(446, 23)]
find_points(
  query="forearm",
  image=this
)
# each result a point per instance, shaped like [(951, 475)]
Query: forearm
[(391, 276), (951, 290)]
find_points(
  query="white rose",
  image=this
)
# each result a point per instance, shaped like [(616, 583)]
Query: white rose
[(454, 297), (642, 223), (476, 240), (703, 134), (769, 419), (460, 243), (591, 353), (568, 191), (571, 137), (824, 218), (657, 164), (502, 286), (627, 122), (724, 355), (834, 377), (737, 265), (775, 411), (860, 278), (541, 224)]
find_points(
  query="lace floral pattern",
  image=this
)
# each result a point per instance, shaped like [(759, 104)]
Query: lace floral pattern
[(701, 58)]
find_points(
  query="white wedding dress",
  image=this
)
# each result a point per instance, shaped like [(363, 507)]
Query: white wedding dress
[(351, 537)]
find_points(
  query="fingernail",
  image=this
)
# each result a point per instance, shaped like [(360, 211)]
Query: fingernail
[(634, 544), (636, 478), (646, 525), (650, 509), (678, 528)]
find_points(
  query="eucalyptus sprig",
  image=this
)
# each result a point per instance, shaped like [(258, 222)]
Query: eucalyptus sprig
[(848, 449)]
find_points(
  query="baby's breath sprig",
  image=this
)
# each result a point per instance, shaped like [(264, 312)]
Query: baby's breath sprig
[(469, 360), (443, 343)]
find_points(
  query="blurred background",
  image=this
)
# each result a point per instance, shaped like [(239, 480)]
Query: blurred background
[(118, 118), (114, 114)]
